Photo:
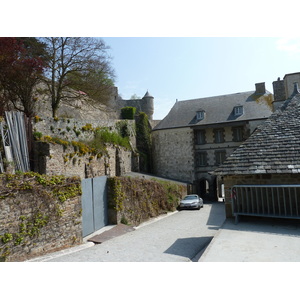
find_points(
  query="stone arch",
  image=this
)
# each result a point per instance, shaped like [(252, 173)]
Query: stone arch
[(207, 187)]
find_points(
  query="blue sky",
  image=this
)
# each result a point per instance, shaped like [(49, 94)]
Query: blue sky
[(185, 68), (176, 50)]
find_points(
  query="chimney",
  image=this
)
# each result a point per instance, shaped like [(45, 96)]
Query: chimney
[(260, 88), (279, 90)]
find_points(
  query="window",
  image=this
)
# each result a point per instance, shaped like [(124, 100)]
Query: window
[(237, 133), (220, 156), (200, 137), (201, 159), (238, 110), (219, 135), (200, 115)]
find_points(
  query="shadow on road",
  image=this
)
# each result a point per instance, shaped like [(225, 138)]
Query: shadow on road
[(189, 247), (266, 225)]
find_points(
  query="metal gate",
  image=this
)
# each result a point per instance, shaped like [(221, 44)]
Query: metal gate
[(94, 204), (278, 201)]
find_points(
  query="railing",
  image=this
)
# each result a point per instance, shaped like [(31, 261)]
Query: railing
[(281, 201)]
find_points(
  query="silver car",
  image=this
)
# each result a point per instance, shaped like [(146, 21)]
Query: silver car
[(191, 201)]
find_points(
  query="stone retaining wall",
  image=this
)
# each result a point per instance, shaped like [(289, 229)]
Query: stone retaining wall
[(34, 220), (75, 129), (135, 200), (55, 159)]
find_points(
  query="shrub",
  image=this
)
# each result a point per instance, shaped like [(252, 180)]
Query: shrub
[(37, 135), (103, 136), (128, 112)]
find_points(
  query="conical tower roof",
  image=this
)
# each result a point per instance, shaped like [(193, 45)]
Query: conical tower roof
[(147, 95)]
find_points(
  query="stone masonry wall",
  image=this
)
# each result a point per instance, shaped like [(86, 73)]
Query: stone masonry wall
[(55, 159), (135, 200), (176, 162), (32, 223), (230, 181), (75, 129)]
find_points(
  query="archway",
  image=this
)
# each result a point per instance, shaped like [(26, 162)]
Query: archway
[(207, 188), (203, 188)]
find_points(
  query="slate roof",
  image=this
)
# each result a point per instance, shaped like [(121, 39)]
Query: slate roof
[(218, 109), (273, 148)]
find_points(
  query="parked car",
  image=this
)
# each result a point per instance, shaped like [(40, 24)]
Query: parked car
[(191, 201)]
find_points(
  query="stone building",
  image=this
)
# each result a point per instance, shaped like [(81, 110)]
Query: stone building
[(262, 177), (198, 135), (145, 104), (284, 88)]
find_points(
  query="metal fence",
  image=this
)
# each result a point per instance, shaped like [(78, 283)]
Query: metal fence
[(281, 201)]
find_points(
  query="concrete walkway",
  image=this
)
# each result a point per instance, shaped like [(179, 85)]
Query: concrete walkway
[(195, 236), (178, 237), (255, 240)]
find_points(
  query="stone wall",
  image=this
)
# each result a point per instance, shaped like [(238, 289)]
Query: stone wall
[(176, 162), (146, 105), (78, 107), (289, 80), (76, 129), (56, 159), (35, 219), (230, 181), (135, 200)]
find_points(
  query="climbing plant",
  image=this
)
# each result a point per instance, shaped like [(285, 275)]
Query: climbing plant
[(144, 143), (35, 201), (128, 112), (136, 200)]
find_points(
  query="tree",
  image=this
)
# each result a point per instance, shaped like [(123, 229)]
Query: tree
[(78, 63), (134, 97), (21, 69), (97, 82)]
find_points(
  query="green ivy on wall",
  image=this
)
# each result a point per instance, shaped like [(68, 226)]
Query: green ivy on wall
[(128, 112), (136, 200), (144, 142), (45, 197)]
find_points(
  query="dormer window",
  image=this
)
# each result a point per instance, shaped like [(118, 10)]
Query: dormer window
[(238, 110), (200, 115)]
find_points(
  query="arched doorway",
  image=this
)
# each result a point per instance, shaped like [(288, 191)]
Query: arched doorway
[(203, 188), (207, 188)]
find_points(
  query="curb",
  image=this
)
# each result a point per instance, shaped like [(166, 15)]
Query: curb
[(203, 254), (87, 244), (50, 256)]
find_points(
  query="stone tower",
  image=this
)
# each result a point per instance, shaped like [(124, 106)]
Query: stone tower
[(148, 105)]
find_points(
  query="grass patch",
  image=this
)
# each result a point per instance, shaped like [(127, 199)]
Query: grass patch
[(104, 136)]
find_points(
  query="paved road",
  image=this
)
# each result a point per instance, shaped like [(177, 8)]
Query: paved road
[(255, 239), (182, 237)]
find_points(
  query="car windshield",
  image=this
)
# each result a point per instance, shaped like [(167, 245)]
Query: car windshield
[(190, 197)]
